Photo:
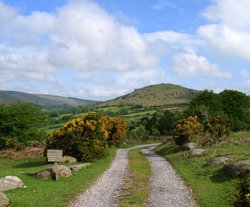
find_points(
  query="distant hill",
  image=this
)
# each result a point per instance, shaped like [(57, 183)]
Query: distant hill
[(41, 99), (155, 95)]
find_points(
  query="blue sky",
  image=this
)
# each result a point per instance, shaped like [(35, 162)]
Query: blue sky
[(100, 49)]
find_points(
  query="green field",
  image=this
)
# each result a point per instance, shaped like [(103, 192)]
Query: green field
[(211, 185), (49, 193)]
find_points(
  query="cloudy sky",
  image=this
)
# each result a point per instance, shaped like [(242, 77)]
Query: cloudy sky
[(100, 49)]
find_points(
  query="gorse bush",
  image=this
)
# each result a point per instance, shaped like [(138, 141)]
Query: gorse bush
[(243, 193), (87, 138), (84, 138), (214, 130), (116, 128), (186, 129)]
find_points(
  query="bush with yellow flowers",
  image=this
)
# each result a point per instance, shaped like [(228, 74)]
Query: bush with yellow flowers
[(243, 193), (186, 129), (215, 129), (83, 138), (117, 130), (88, 138)]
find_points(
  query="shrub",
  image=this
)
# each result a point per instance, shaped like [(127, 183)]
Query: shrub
[(12, 143), (215, 129), (243, 193), (116, 128), (84, 138), (186, 129)]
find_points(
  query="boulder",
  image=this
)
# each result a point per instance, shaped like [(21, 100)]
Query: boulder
[(69, 159), (217, 161), (239, 168), (198, 152), (4, 201), (10, 182), (63, 171), (45, 174), (187, 146), (78, 167)]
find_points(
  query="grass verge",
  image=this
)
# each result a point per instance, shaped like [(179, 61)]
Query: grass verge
[(211, 185), (135, 188), (49, 193)]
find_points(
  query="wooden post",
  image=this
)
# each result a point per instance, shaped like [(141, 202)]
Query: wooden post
[(56, 170)]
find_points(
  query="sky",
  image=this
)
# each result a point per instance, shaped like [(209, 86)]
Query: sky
[(101, 49)]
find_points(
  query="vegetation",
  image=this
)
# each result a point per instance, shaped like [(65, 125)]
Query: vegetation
[(49, 101), (186, 129), (49, 193), (116, 129), (243, 193), (135, 187), (88, 138), (215, 129), (232, 106), (209, 184), (155, 95), (18, 124)]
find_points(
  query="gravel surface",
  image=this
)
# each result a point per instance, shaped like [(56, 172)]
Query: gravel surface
[(167, 188), (104, 191)]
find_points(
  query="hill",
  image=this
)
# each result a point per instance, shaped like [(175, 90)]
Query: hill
[(155, 95), (42, 99)]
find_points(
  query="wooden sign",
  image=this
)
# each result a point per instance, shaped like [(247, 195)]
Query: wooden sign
[(54, 155)]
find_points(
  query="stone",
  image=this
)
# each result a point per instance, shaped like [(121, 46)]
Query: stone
[(4, 201), (75, 168), (45, 174), (10, 182), (63, 171), (49, 173), (69, 159), (187, 146), (217, 161), (239, 168), (198, 152)]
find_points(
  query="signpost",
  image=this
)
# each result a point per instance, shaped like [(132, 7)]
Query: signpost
[(54, 155)]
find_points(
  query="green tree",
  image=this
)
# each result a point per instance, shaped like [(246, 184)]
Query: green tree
[(206, 104), (20, 121), (236, 106)]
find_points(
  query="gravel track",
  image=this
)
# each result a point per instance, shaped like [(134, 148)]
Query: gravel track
[(167, 188), (104, 191)]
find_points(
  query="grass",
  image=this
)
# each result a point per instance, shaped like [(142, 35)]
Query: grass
[(211, 186), (135, 188), (49, 193)]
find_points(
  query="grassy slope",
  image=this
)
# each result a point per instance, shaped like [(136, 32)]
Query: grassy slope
[(155, 95), (44, 100), (211, 186), (49, 193)]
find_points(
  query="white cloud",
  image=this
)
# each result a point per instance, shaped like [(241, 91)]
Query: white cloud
[(232, 13), (187, 63), (80, 35), (170, 37), (229, 35)]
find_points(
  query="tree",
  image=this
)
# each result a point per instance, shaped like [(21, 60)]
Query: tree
[(236, 106), (206, 104), (20, 121)]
